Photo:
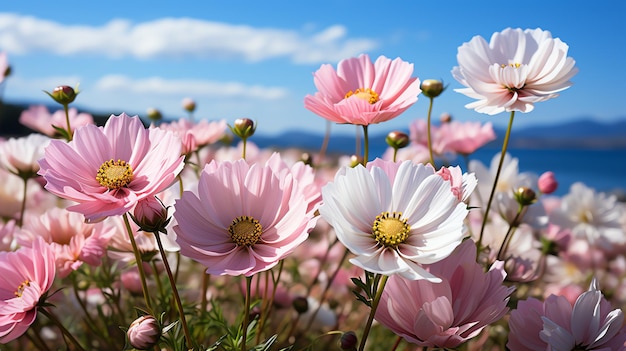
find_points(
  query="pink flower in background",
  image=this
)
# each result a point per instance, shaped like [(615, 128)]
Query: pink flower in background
[(465, 137), (547, 183), (39, 119), (6, 235), (448, 313), (20, 155), (462, 184), (394, 216), (73, 241), (25, 276), (106, 170), (555, 324), (512, 72), (196, 135), (243, 219), (361, 92)]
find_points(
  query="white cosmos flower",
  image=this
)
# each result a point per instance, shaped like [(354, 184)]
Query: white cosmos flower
[(592, 216), (516, 69), (394, 216), (19, 155)]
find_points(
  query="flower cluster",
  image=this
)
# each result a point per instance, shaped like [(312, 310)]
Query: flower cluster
[(161, 235)]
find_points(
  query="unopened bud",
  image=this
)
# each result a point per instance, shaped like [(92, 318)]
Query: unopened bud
[(243, 128), (151, 215), (547, 183), (7, 71), (300, 304), (144, 332), (189, 105), (348, 341), (154, 114), (397, 140), (432, 87), (355, 161), (307, 158), (445, 118), (525, 196), (63, 94)]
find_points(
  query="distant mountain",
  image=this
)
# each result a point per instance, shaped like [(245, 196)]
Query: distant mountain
[(579, 133)]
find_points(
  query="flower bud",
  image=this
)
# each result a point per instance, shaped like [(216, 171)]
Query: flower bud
[(144, 332), (355, 161), (63, 94), (397, 139), (154, 114), (189, 105), (150, 215), (243, 128), (432, 87), (445, 118), (348, 341), (307, 158), (7, 72), (525, 196), (300, 304), (547, 183)]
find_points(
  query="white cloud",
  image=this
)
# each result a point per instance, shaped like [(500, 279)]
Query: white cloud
[(177, 37), (156, 86)]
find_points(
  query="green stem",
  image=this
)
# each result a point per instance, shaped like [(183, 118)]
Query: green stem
[(58, 323), (204, 302), (509, 233), (246, 316), (142, 273), (243, 152), (505, 145), (395, 153), (397, 343), (370, 319), (428, 133), (326, 140), (20, 221), (67, 121), (365, 145), (179, 304)]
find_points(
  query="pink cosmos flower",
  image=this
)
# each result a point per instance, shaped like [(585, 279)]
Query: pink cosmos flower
[(106, 170), (448, 313), (463, 184), (73, 241), (39, 119), (512, 72), (196, 135), (6, 235), (394, 216), (465, 137), (243, 219), (555, 324), (361, 92), (25, 276)]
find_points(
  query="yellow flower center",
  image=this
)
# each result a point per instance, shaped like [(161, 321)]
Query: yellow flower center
[(245, 231), (514, 65), (21, 287), (364, 93), (114, 174), (390, 230)]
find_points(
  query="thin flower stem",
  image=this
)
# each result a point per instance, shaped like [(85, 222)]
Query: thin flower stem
[(65, 332), (396, 344), (170, 277), (428, 133), (206, 279), (243, 152), (365, 146), (370, 319), (357, 140), (326, 140), (246, 315), (142, 273), (23, 209), (505, 145), (319, 271), (67, 120), (36, 339), (509, 233), (395, 153), (326, 288), (268, 305)]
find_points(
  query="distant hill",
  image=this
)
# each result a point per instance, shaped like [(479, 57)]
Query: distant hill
[(580, 133)]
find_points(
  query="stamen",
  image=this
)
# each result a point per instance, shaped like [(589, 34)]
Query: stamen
[(21, 287), (245, 231), (364, 93), (390, 230), (114, 174)]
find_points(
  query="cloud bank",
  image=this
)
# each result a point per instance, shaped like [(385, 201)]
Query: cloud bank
[(177, 37)]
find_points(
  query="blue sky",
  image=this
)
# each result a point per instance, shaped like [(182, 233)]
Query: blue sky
[(256, 59)]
